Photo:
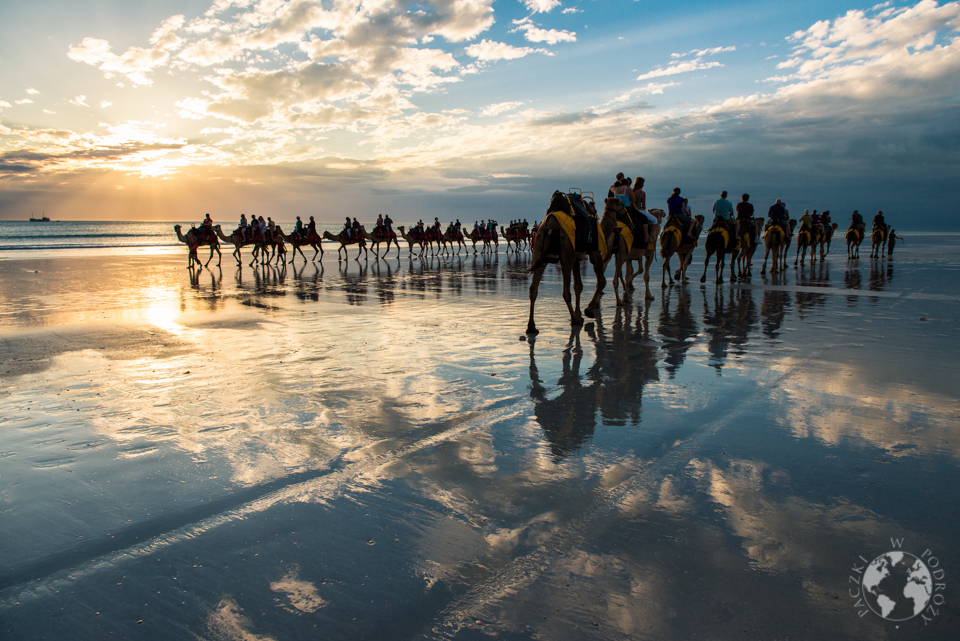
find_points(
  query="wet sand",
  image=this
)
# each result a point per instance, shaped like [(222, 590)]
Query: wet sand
[(374, 450)]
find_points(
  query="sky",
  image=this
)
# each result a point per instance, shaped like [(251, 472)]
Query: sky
[(475, 109)]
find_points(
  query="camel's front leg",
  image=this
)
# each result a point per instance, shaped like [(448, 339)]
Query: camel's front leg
[(617, 277), (706, 265), (594, 305), (646, 276), (534, 288), (575, 318)]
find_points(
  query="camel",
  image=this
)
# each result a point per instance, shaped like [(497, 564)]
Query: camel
[(411, 241), (791, 227), (477, 237), (300, 238), (878, 239), (345, 241), (553, 245), (749, 241), (193, 236), (825, 239), (455, 237), (380, 236), (278, 249), (616, 245), (854, 237), (806, 238), (715, 244), (668, 247), (237, 241), (773, 238), (517, 236)]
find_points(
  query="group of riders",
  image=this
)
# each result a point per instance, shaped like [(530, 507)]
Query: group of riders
[(629, 192)]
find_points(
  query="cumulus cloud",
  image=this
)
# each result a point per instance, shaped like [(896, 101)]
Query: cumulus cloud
[(541, 6), (490, 51), (23, 101), (533, 33), (32, 91), (80, 101), (135, 63)]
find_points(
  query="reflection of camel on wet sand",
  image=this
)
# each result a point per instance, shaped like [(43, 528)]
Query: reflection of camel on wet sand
[(193, 237), (613, 385), (552, 238), (345, 241), (684, 251)]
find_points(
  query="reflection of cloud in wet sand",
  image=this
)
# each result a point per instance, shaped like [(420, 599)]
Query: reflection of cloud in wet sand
[(835, 403), (227, 622), (301, 595)]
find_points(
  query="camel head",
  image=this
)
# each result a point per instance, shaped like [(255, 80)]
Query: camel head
[(613, 206), (658, 214), (699, 218), (329, 236)]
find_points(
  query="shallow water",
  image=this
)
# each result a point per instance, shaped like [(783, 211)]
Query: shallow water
[(375, 450)]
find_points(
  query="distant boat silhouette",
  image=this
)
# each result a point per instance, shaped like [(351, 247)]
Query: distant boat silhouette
[(39, 220)]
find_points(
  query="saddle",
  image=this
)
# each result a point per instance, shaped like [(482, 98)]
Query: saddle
[(578, 218)]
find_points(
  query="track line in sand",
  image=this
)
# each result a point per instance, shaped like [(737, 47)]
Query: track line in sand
[(325, 485)]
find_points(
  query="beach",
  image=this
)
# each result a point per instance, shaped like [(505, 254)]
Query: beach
[(375, 449)]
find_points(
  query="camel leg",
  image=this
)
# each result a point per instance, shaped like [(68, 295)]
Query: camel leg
[(666, 271), (534, 288), (646, 276), (617, 277), (594, 305), (567, 298), (721, 262), (733, 260)]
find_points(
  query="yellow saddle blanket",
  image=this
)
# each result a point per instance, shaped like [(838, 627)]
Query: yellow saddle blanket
[(569, 225)]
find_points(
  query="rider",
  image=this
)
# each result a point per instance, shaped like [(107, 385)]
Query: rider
[(243, 227), (612, 191), (675, 207), (379, 226), (298, 226), (857, 221), (311, 228), (723, 213), (388, 224), (745, 214), (778, 215), (639, 196), (348, 227), (806, 221), (878, 222), (825, 219), (356, 229), (207, 227)]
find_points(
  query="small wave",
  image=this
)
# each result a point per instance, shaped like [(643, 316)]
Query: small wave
[(78, 246)]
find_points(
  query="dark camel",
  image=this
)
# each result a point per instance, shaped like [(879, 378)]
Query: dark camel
[(346, 241), (411, 241), (552, 238), (299, 239), (379, 236), (193, 236), (612, 208), (854, 237), (238, 241), (669, 247), (773, 238), (714, 244)]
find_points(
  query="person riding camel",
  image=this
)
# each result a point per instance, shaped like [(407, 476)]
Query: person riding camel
[(856, 221), (825, 219), (356, 229), (312, 229), (878, 222), (806, 222), (207, 228), (298, 226), (243, 228), (388, 224), (723, 214), (778, 216), (348, 227), (676, 207), (378, 228), (745, 215)]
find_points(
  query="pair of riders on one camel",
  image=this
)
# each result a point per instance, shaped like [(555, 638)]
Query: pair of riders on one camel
[(634, 200), (384, 226), (351, 228), (308, 233), (257, 228)]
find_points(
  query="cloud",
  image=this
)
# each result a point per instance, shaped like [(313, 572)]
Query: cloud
[(699, 53), (490, 51), (23, 101), (679, 67), (534, 33), (541, 6), (499, 108), (105, 103), (80, 101), (32, 91), (133, 64)]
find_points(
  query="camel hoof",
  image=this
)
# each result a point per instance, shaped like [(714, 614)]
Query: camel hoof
[(703, 279), (649, 297), (532, 330), (590, 314)]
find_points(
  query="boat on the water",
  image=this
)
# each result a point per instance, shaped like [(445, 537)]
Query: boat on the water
[(39, 220)]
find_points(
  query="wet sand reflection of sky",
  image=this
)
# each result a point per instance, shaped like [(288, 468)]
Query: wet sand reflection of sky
[(324, 436)]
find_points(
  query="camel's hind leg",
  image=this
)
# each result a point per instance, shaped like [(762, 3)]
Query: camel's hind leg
[(706, 265), (597, 261), (666, 271), (617, 278), (571, 270), (646, 276)]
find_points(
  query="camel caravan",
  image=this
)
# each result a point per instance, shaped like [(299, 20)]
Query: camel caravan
[(573, 231)]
